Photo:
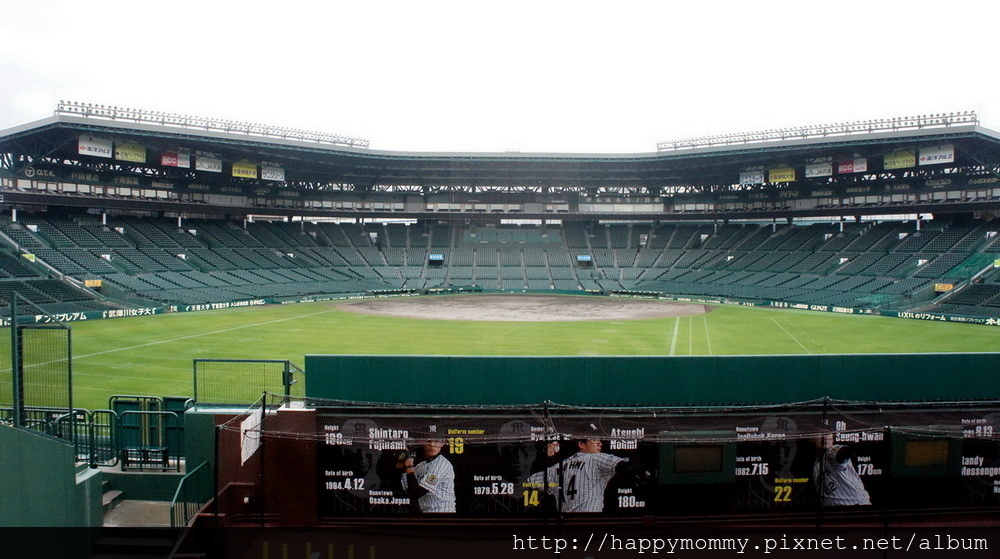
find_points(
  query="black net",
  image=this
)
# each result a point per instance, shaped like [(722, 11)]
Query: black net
[(36, 353), (239, 494), (296, 461)]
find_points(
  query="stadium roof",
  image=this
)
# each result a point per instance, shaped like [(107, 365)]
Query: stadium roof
[(310, 161)]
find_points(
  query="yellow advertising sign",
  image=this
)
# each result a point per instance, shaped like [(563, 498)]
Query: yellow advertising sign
[(29, 257), (942, 287), (92, 283), (245, 170), (781, 174), (899, 160), (130, 152)]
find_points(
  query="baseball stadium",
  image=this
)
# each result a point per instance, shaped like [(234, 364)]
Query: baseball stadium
[(228, 339)]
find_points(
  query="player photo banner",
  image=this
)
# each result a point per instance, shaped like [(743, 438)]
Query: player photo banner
[(95, 147), (531, 462), (937, 155), (129, 151), (790, 462), (392, 465), (509, 466)]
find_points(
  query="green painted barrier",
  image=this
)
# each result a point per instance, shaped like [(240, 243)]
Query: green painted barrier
[(654, 381)]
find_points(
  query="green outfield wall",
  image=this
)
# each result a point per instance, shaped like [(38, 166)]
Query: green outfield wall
[(654, 381)]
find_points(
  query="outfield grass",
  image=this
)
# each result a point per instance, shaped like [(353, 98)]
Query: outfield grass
[(154, 355)]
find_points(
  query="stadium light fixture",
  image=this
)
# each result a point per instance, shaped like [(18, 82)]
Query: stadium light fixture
[(824, 130), (89, 110)]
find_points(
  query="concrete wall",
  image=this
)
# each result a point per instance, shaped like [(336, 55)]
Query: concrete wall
[(41, 486)]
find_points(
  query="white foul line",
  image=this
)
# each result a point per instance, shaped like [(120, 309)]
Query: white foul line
[(708, 338), (690, 335), (791, 336), (201, 334), (673, 342)]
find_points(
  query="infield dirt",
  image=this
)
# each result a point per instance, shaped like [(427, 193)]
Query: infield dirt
[(521, 308)]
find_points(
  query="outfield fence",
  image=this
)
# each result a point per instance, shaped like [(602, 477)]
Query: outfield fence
[(634, 294), (242, 381)]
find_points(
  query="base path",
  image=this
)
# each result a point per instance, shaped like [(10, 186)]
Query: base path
[(521, 308)]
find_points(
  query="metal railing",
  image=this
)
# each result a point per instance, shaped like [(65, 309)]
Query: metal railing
[(139, 116), (193, 492), (139, 440), (826, 130)]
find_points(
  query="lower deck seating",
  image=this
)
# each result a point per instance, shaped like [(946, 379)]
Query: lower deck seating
[(864, 266)]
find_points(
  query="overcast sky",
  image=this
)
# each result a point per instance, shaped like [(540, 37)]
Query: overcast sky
[(534, 76)]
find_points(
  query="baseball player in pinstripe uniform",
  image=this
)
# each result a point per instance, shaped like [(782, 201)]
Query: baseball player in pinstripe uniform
[(431, 482), (837, 479), (580, 480)]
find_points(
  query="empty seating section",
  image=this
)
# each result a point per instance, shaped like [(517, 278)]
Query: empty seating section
[(227, 235), (51, 231), (22, 237), (618, 236), (334, 234), (14, 266), (865, 265), (576, 237), (268, 235)]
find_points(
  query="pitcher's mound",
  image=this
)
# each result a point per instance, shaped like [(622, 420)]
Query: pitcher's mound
[(522, 308)]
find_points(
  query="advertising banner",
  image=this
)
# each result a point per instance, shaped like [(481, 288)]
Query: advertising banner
[(129, 151), (95, 147), (207, 162), (856, 165), (899, 160), (272, 174), (752, 177), (819, 170), (937, 155), (781, 174), (245, 170), (177, 158)]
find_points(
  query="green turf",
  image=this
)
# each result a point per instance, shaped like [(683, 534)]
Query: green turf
[(154, 355)]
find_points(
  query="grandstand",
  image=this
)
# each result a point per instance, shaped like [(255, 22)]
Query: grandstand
[(888, 266), (856, 224), (109, 212)]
